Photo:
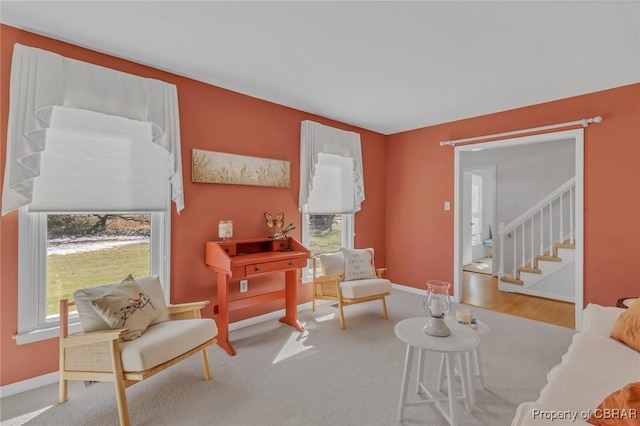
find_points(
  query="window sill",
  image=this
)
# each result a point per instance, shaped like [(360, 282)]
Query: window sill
[(48, 332)]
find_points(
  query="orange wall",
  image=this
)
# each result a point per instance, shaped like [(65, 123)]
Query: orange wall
[(421, 172), (210, 118)]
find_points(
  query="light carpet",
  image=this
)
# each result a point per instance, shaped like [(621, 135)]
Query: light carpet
[(322, 376)]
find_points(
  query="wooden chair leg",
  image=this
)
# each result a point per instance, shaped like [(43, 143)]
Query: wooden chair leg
[(121, 393), (384, 309), (121, 398), (341, 314), (205, 364), (63, 390), (313, 304)]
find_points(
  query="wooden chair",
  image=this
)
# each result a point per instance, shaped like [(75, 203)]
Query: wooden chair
[(98, 355), (345, 293)]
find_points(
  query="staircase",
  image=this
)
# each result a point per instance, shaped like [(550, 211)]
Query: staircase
[(537, 247)]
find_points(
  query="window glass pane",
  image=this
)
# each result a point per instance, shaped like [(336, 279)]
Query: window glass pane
[(325, 233), (93, 249)]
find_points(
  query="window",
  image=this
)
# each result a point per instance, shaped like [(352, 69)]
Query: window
[(85, 140), (331, 187), (100, 176), (326, 233), (476, 209), (51, 266)]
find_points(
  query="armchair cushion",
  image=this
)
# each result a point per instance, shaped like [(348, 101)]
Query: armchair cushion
[(92, 321), (332, 263), (126, 306), (165, 341), (364, 288), (358, 264)]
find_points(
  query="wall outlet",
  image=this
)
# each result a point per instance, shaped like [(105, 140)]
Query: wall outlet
[(244, 286)]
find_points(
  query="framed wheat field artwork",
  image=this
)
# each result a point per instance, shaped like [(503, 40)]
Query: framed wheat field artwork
[(220, 167)]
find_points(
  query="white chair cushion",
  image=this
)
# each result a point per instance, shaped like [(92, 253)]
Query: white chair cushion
[(364, 288), (600, 319), (165, 341), (332, 263)]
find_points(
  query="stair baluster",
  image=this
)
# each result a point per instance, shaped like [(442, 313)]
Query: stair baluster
[(536, 216)]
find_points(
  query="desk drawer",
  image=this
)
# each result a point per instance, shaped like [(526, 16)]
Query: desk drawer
[(279, 265)]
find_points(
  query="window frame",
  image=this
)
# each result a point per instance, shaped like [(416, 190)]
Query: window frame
[(32, 272), (348, 237)]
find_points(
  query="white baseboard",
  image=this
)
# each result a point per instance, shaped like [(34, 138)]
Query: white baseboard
[(29, 384), (409, 289), (51, 378)]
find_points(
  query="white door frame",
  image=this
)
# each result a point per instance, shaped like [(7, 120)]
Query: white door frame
[(578, 136)]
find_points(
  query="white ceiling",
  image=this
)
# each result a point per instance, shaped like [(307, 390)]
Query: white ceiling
[(383, 66)]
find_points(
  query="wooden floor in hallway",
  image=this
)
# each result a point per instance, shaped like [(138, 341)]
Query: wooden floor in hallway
[(481, 290)]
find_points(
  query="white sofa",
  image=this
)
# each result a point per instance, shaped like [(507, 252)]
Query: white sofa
[(594, 366)]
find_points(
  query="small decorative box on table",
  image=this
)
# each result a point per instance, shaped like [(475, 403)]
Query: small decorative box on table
[(248, 258)]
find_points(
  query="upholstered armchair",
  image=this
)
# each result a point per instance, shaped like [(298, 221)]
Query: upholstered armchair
[(349, 277), (129, 334)]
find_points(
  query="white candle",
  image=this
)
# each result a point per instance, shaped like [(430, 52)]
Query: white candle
[(463, 316), (436, 307)]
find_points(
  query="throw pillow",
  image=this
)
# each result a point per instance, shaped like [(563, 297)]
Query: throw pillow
[(332, 263), (126, 306), (627, 327), (151, 285), (358, 264), (620, 408), (89, 318)]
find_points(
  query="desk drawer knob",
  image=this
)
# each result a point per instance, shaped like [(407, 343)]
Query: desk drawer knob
[(290, 263), (257, 269)]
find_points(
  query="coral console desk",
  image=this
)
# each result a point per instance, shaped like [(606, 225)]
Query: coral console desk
[(240, 259)]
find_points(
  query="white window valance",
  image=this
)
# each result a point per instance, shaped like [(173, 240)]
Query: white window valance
[(42, 80), (344, 192)]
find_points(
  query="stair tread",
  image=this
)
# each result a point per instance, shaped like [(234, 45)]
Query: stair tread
[(565, 245), (529, 270), (511, 280), (549, 258)]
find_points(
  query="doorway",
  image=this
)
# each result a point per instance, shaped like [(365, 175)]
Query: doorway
[(577, 138)]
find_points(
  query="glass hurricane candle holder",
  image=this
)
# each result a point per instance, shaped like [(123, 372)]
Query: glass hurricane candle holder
[(225, 229), (437, 304)]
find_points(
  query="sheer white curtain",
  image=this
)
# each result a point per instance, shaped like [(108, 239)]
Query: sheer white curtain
[(42, 80), (331, 178)]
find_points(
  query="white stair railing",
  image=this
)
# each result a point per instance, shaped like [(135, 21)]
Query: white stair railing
[(540, 220)]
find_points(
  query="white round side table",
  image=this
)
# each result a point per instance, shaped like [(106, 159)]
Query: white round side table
[(460, 343)]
